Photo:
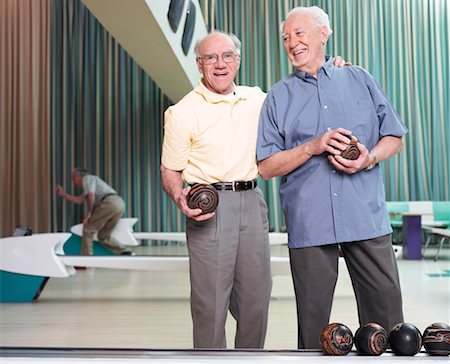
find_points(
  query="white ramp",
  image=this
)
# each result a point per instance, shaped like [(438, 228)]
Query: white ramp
[(35, 255), (123, 232), (43, 255)]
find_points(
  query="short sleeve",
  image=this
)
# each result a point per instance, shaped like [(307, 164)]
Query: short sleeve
[(389, 121), (270, 140), (176, 142), (89, 184)]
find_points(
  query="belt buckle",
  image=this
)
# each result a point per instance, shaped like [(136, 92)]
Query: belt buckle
[(233, 186)]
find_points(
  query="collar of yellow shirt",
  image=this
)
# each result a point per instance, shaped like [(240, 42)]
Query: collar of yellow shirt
[(213, 97)]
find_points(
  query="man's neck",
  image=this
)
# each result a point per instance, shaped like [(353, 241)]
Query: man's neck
[(313, 68), (230, 90)]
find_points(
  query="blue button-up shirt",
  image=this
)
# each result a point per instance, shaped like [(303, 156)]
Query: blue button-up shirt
[(323, 205)]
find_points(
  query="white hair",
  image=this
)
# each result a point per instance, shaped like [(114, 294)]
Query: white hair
[(234, 39), (317, 14)]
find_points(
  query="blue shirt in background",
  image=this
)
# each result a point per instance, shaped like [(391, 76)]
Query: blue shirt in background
[(323, 205)]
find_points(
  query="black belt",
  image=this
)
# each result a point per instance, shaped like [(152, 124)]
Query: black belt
[(107, 195), (234, 186)]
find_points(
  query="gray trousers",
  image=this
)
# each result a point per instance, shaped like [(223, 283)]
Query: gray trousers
[(229, 262), (104, 219), (374, 274)]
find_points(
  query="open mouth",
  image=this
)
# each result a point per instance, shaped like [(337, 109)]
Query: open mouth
[(221, 75)]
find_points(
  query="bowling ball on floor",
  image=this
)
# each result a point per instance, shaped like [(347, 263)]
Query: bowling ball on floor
[(405, 339), (371, 339), (336, 339), (436, 339)]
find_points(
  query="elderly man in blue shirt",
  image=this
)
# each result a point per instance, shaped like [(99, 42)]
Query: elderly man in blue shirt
[(329, 201)]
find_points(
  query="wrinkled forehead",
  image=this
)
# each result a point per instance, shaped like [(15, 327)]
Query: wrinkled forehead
[(298, 21), (217, 43)]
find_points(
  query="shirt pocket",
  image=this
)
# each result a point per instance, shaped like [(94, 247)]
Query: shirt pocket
[(361, 104), (360, 119)]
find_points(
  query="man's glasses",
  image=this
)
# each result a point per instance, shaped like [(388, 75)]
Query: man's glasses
[(227, 57)]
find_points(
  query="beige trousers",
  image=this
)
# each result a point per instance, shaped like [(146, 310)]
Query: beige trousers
[(229, 263), (104, 219)]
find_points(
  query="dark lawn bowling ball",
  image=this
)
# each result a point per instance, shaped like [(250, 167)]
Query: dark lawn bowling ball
[(336, 339), (204, 197), (405, 339), (371, 339), (352, 151), (436, 339)]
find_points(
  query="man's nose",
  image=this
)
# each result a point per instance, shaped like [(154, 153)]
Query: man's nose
[(292, 42), (220, 63)]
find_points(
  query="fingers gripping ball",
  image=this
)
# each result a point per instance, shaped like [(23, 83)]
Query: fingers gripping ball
[(352, 151), (336, 339), (204, 197), (436, 339), (371, 339), (405, 339)]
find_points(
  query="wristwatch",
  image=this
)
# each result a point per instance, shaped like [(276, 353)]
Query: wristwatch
[(374, 162)]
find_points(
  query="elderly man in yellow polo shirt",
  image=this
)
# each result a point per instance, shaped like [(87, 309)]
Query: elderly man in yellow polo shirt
[(210, 138)]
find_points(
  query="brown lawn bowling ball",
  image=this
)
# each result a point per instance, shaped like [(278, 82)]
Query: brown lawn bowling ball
[(436, 339), (371, 339), (204, 197), (405, 339), (352, 151), (336, 339)]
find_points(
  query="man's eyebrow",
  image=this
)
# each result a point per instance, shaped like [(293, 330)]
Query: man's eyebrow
[(213, 53), (300, 27)]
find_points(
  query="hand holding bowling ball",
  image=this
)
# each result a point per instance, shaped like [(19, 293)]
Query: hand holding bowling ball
[(336, 339), (204, 197), (352, 151)]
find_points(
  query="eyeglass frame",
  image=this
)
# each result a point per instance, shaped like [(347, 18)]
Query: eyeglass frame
[(215, 57)]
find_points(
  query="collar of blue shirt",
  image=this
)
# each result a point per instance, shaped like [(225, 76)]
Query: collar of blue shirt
[(328, 69)]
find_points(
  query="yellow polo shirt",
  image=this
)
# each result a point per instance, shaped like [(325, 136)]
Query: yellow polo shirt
[(212, 137)]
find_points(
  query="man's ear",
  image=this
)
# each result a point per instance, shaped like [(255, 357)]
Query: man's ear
[(199, 66), (324, 35)]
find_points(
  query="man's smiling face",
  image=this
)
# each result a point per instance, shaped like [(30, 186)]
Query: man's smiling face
[(304, 42), (218, 77)]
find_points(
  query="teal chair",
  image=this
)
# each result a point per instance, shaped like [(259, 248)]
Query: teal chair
[(442, 235), (441, 211), (396, 209)]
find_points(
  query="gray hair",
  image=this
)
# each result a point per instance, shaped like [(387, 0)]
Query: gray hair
[(317, 14), (80, 172), (234, 39)]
